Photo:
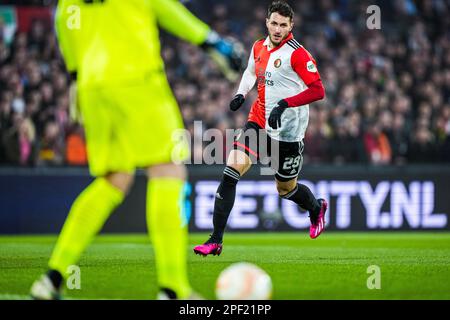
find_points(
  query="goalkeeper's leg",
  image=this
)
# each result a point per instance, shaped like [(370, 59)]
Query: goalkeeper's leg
[(168, 229), (86, 217)]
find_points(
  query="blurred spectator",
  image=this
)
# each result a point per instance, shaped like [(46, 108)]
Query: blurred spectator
[(423, 147), (51, 149), (76, 154), (346, 145), (445, 149), (377, 145), (19, 142)]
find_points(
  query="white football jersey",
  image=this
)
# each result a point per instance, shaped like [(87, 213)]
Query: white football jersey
[(280, 73)]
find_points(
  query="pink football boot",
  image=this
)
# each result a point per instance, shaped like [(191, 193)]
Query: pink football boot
[(209, 247), (318, 224)]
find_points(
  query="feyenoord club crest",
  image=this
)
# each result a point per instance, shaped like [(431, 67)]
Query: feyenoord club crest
[(277, 63)]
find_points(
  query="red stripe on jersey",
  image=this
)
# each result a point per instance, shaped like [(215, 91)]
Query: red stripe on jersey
[(258, 114), (258, 110)]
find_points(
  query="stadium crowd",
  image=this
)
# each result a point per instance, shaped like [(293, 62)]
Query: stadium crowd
[(387, 91)]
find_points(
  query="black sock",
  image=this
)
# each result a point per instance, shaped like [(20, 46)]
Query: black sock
[(302, 196), (55, 277), (226, 193), (170, 293)]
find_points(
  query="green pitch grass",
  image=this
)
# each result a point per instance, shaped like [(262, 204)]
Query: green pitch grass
[(334, 266)]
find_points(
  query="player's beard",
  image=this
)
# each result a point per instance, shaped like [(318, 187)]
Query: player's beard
[(276, 43)]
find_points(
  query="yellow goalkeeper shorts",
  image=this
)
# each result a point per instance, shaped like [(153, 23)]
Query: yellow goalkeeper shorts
[(132, 126)]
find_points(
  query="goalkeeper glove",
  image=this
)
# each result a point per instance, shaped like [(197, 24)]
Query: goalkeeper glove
[(275, 115), (227, 53), (237, 102)]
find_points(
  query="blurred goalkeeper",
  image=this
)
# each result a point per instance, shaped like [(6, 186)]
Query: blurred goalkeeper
[(287, 80), (112, 50)]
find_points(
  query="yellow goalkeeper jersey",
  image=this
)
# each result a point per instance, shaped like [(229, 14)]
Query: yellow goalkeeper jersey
[(110, 42)]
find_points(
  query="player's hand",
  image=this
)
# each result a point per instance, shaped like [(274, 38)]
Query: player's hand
[(237, 102), (227, 53), (275, 115), (74, 108)]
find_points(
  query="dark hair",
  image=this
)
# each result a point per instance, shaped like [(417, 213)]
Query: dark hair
[(282, 8)]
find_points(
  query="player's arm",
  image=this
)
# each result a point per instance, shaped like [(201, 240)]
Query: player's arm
[(249, 77), (306, 68), (176, 19), (247, 82)]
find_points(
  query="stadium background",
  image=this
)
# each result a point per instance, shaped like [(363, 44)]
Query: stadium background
[(378, 146)]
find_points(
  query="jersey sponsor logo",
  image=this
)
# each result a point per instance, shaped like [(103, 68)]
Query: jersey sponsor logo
[(264, 81), (277, 63), (311, 67), (263, 78), (269, 82)]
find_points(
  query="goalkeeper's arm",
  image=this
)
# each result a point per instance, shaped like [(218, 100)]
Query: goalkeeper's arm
[(178, 20)]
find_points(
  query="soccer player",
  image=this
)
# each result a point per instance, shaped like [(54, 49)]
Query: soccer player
[(112, 49), (287, 80)]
